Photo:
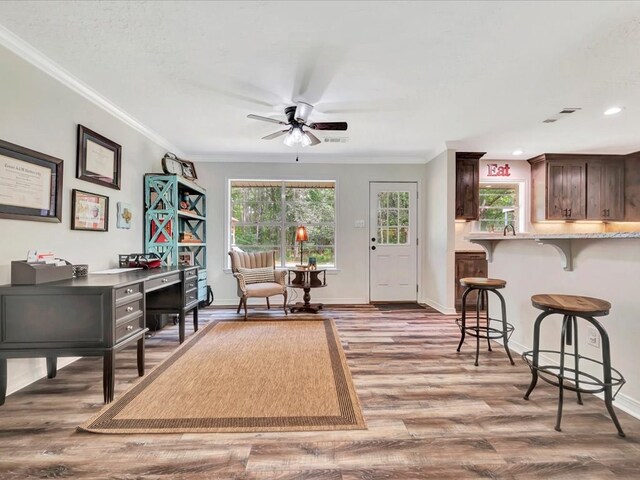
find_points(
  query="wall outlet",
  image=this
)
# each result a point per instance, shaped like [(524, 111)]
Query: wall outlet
[(593, 339)]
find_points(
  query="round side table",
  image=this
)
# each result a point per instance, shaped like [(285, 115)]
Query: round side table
[(306, 280)]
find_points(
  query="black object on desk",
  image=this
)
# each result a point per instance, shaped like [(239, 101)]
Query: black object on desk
[(95, 315)]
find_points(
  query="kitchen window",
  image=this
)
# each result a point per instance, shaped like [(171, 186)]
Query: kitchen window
[(499, 206), (264, 216)]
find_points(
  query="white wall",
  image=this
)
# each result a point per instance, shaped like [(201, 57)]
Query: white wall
[(40, 113), (350, 284), (438, 264), (607, 269)]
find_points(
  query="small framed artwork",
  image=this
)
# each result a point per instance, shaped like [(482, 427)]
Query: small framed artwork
[(185, 259), (30, 184), (188, 170), (99, 159), (124, 215), (89, 211)]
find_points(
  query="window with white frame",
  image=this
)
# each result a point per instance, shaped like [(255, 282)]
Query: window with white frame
[(265, 214), (499, 206)]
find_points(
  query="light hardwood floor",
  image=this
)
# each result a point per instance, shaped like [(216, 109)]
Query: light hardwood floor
[(430, 414)]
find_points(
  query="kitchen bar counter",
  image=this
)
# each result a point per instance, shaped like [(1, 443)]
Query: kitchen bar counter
[(560, 241)]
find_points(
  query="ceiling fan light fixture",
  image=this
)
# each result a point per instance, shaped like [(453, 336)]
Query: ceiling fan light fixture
[(289, 140), (303, 110), (306, 140)]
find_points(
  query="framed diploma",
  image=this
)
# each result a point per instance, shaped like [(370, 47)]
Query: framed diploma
[(98, 159), (30, 184), (89, 211)]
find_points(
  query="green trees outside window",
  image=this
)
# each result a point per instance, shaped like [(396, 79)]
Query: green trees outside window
[(265, 214), (494, 200)]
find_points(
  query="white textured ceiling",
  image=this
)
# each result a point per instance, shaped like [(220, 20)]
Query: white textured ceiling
[(408, 77)]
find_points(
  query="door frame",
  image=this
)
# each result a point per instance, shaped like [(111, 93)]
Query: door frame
[(419, 243)]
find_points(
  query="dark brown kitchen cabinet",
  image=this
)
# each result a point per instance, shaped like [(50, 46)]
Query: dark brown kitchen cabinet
[(605, 189), (468, 185), (469, 264), (577, 187)]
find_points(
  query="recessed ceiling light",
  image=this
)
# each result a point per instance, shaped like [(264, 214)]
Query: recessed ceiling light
[(517, 152), (612, 110)]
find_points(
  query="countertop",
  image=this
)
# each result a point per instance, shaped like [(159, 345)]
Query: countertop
[(551, 236)]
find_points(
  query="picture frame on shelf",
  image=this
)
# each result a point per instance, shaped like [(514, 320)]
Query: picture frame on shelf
[(98, 159), (89, 211), (188, 170), (185, 259), (30, 184)]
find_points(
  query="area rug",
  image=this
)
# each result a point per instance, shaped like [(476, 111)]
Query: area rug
[(252, 376)]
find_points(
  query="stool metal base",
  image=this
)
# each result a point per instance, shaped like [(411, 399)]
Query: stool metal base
[(485, 331), (581, 381)]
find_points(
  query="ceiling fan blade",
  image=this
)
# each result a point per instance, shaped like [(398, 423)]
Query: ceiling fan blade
[(328, 126), (266, 119), (314, 140), (274, 135)]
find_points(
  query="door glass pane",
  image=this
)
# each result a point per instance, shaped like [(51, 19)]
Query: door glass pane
[(393, 217), (404, 199), (393, 236), (393, 199), (383, 200), (403, 218), (382, 218), (404, 236)]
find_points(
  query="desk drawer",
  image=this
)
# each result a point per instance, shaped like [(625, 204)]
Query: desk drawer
[(189, 274), (190, 284), (190, 298), (130, 291), (128, 328), (163, 281), (129, 309)]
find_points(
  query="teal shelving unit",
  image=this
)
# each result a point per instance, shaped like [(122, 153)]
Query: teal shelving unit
[(174, 207)]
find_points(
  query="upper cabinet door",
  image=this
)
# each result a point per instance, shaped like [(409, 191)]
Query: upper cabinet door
[(605, 189), (566, 190), (467, 185)]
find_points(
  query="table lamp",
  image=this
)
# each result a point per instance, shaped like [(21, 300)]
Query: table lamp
[(301, 236)]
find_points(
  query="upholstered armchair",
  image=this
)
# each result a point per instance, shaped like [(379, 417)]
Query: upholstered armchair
[(257, 277)]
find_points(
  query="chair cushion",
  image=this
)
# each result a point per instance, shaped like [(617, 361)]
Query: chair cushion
[(264, 289), (257, 275)]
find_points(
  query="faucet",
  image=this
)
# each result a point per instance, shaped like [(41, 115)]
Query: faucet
[(506, 228)]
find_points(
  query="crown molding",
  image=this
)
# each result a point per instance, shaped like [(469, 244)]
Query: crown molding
[(308, 158), (38, 59)]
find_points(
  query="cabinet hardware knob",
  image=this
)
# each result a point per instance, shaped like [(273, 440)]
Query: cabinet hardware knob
[(129, 309), (191, 297), (373, 248), (129, 290), (129, 327), (165, 280), (569, 212)]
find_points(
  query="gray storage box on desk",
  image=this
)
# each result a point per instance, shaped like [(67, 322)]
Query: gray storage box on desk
[(23, 273)]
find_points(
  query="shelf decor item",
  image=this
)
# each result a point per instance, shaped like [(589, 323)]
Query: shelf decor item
[(30, 184), (98, 159), (89, 211)]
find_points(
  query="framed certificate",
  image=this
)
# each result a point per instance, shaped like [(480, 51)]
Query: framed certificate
[(30, 184), (98, 159)]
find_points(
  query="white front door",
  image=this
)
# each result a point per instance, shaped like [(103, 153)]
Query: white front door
[(393, 242)]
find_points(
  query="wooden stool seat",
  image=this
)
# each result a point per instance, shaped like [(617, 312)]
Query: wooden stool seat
[(571, 304), (480, 282)]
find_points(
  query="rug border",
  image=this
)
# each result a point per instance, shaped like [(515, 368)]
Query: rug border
[(351, 416)]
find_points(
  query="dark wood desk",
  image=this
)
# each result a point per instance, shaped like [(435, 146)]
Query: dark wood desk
[(95, 315)]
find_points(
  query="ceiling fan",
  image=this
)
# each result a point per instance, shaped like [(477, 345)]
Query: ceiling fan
[(297, 118)]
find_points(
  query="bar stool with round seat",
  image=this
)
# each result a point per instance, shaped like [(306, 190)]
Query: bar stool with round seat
[(572, 307), (483, 286)]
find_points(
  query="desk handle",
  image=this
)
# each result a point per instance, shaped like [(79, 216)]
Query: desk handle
[(129, 327), (165, 280), (129, 309), (191, 297), (129, 290)]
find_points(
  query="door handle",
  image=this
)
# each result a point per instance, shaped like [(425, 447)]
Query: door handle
[(373, 239), (373, 247), (569, 213)]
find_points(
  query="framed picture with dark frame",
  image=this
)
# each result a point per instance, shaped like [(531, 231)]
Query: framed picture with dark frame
[(99, 159), (30, 184), (89, 211), (188, 170)]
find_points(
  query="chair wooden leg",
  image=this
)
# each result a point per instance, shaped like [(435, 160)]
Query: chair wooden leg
[(240, 305), (245, 307), (268, 305), (285, 302)]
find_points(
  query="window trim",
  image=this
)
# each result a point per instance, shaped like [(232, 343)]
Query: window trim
[(283, 223)]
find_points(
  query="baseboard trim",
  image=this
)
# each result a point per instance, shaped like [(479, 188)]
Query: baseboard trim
[(624, 402), (440, 308)]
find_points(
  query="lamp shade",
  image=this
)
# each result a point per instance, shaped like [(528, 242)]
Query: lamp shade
[(301, 234)]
